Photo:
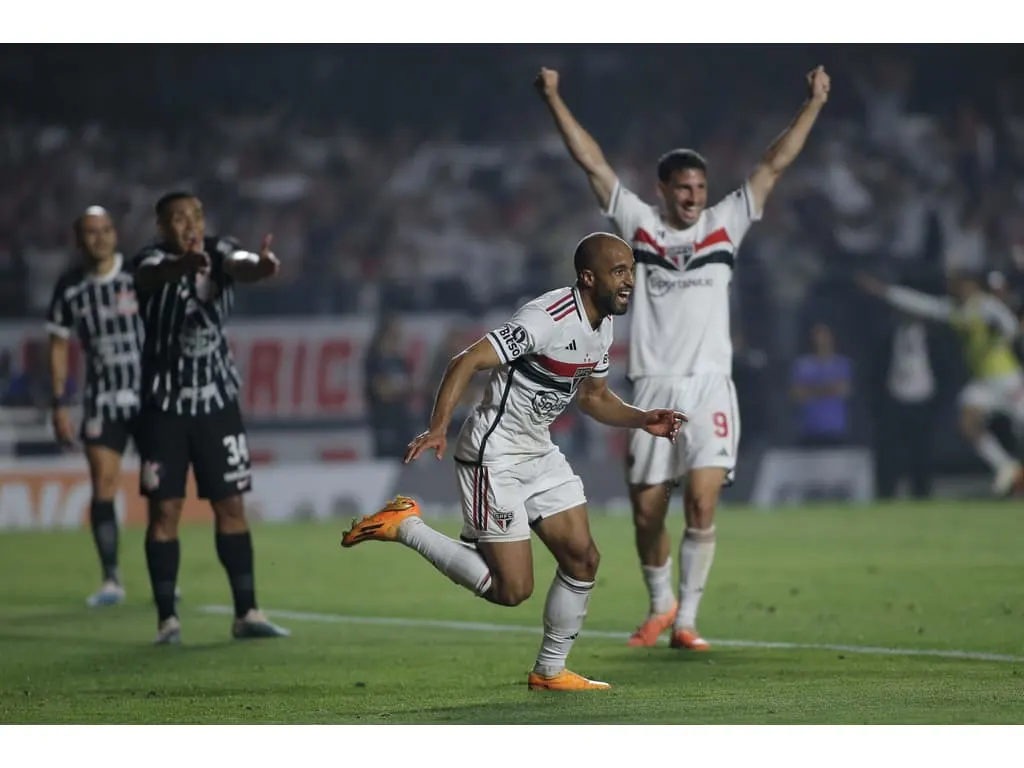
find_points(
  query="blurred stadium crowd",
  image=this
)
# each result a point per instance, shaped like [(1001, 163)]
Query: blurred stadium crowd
[(420, 178)]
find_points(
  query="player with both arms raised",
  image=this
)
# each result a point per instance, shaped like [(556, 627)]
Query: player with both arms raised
[(680, 351), (511, 476)]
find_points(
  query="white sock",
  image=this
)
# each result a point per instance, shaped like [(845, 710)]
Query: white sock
[(456, 560), (992, 452), (564, 611), (659, 586), (696, 553)]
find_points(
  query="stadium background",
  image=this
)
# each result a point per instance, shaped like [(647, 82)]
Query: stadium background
[(421, 193)]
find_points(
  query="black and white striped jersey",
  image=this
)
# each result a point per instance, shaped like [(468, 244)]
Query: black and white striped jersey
[(102, 311), (547, 349), (187, 367)]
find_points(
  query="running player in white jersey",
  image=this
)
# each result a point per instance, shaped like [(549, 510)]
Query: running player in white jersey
[(680, 351), (988, 330), (511, 476)]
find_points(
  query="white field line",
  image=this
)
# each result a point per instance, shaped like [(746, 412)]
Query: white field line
[(472, 626)]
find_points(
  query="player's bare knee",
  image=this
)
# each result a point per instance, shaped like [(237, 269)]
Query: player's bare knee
[(700, 508), (511, 591), (650, 505), (104, 486), (583, 562), (229, 515), (164, 516)]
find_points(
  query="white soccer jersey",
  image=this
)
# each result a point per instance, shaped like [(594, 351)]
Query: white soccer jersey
[(547, 349), (679, 322)]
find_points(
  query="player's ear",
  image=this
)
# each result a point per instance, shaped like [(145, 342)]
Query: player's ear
[(586, 277)]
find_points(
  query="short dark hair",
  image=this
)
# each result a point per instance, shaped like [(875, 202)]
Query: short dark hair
[(170, 197), (680, 160)]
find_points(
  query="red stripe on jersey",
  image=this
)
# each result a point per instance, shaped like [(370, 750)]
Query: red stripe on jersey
[(717, 237), (643, 236), (559, 368), (560, 304)]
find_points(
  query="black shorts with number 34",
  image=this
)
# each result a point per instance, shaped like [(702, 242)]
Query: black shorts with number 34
[(213, 444)]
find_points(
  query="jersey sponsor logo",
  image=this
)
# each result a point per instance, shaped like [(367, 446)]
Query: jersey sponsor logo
[(658, 283), (547, 405), (513, 338)]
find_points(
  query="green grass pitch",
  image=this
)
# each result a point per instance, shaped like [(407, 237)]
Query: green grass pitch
[(902, 577)]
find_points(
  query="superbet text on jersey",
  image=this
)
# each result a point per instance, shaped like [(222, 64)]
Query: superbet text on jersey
[(682, 282)]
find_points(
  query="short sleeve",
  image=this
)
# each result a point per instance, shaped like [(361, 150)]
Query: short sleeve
[(529, 330), (601, 371), (736, 212), (59, 320), (626, 211)]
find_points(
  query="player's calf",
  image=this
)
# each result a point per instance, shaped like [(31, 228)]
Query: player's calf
[(163, 553), (696, 551), (650, 507)]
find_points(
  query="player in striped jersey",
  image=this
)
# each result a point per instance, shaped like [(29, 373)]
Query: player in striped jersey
[(680, 350), (190, 412), (511, 476), (988, 330), (95, 300)]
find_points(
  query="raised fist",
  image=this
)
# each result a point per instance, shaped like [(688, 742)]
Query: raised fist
[(818, 84), (546, 82)]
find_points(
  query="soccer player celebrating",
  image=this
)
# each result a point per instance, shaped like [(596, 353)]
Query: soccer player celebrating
[(680, 347), (988, 330), (511, 476), (190, 413), (95, 300)]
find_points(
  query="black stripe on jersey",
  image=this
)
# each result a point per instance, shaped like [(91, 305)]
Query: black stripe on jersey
[(576, 304), (537, 375), (497, 418), (715, 257), (499, 345), (647, 257)]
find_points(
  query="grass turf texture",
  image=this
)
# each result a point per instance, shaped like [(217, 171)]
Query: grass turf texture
[(903, 576)]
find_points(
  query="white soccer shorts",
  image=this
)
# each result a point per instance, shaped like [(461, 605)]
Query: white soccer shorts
[(999, 394), (502, 504), (709, 439)]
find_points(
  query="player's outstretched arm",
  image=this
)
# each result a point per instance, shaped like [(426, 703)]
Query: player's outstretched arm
[(907, 300), (480, 357), (247, 267), (601, 404), (581, 145), (790, 143), (156, 268)]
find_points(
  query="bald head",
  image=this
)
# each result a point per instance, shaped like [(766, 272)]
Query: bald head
[(599, 248), (604, 272)]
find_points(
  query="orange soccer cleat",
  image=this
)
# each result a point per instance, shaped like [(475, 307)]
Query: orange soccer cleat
[(383, 525), (647, 633), (564, 681), (689, 640)]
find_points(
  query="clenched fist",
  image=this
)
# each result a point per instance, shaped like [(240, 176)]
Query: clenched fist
[(818, 84), (546, 82)]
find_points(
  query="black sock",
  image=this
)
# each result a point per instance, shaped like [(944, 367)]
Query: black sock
[(235, 553), (103, 521), (162, 559)]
